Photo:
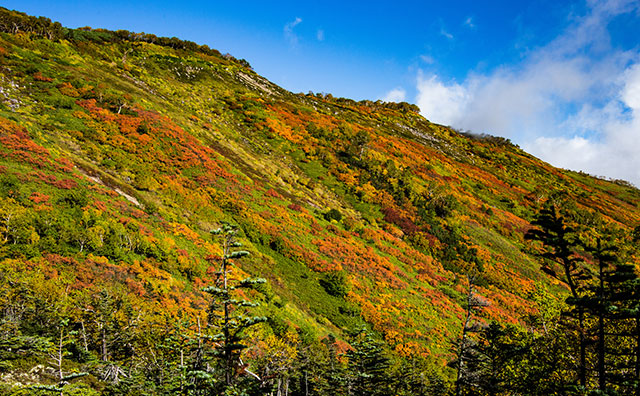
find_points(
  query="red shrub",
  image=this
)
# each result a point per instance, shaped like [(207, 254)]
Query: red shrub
[(273, 193), (65, 184), (37, 197), (39, 77), (393, 216)]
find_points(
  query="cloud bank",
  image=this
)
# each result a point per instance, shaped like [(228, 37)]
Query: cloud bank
[(574, 102)]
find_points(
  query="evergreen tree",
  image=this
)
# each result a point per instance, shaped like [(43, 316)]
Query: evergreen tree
[(558, 235), (604, 252), (368, 366), (502, 360), (228, 316), (324, 371), (622, 312)]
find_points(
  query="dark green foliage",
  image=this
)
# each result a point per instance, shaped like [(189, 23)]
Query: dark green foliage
[(503, 354), (335, 283), (603, 331), (15, 22), (277, 244), (75, 199), (333, 214), (9, 186), (368, 368)]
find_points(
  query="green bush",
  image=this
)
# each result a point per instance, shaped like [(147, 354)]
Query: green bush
[(335, 283), (333, 214)]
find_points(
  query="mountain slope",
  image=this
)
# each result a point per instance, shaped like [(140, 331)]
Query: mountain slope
[(120, 152)]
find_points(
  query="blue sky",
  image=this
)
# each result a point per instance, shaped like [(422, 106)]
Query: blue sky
[(559, 78)]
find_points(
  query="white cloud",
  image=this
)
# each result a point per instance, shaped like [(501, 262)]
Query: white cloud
[(395, 95), (574, 102), (469, 23), (446, 34), (320, 35), (439, 102), (631, 91), (428, 59), (289, 34), (614, 152), (566, 152)]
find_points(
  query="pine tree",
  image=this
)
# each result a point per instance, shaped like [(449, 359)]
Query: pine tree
[(559, 240), (610, 299), (323, 370), (368, 366), (604, 252), (622, 333), (622, 312), (227, 316)]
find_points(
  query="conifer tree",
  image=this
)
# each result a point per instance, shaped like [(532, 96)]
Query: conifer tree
[(228, 316), (368, 366), (622, 311), (604, 252), (323, 370), (623, 333), (559, 240)]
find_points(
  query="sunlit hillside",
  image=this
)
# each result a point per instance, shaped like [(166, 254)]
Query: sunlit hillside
[(377, 231)]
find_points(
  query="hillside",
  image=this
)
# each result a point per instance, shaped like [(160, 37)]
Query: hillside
[(121, 152)]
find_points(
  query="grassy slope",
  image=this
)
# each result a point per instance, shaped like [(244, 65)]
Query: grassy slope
[(194, 139)]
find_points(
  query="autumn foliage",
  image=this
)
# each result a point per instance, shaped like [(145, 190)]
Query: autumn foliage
[(114, 169)]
